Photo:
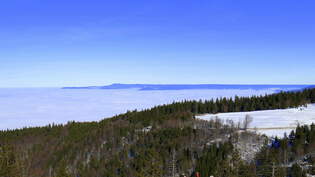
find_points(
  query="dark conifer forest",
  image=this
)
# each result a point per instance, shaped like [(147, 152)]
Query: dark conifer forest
[(166, 140)]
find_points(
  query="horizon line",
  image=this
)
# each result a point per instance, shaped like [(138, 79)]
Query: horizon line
[(99, 85)]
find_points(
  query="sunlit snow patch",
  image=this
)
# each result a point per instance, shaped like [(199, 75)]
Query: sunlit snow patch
[(271, 122)]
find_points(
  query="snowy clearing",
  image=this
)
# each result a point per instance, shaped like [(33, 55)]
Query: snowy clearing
[(271, 122)]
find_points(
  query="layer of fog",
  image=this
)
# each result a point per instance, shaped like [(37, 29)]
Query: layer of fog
[(41, 106)]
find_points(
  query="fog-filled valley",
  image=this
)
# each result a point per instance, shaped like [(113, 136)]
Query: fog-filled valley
[(27, 107)]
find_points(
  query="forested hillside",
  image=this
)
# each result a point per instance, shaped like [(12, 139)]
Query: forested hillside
[(161, 141), (293, 155)]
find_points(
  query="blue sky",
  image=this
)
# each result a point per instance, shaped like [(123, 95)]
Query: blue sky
[(76, 43)]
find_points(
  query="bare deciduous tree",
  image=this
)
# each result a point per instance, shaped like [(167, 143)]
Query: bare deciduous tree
[(248, 119)]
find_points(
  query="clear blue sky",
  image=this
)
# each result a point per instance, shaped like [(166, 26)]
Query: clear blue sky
[(98, 42)]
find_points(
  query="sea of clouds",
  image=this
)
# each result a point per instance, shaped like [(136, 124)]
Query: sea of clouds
[(26, 107)]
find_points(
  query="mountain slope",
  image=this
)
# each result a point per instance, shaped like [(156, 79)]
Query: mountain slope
[(144, 143)]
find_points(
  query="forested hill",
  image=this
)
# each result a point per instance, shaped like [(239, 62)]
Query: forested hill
[(137, 143)]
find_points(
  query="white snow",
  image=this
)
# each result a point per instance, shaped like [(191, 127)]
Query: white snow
[(271, 122)]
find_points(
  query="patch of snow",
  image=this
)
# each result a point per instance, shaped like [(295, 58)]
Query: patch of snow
[(271, 122)]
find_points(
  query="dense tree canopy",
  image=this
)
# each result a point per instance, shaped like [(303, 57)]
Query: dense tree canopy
[(145, 143)]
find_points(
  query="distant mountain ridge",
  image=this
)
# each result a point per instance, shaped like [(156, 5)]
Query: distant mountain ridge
[(144, 87)]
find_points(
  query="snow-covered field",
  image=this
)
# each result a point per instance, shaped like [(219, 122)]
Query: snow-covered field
[(271, 122), (41, 106)]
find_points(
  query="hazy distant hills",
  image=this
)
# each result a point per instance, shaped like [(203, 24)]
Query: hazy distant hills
[(144, 87)]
